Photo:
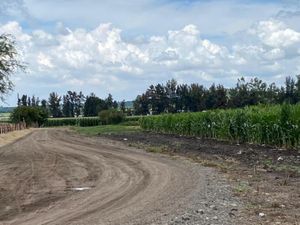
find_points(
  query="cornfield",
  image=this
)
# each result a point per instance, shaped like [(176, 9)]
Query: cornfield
[(82, 122), (277, 125)]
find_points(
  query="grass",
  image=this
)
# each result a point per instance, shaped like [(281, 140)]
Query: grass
[(4, 117), (283, 167), (106, 129)]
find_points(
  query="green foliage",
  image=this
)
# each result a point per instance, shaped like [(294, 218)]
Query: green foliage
[(4, 117), (111, 116), (79, 121), (173, 97), (31, 115), (277, 125), (9, 63), (87, 121), (93, 105)]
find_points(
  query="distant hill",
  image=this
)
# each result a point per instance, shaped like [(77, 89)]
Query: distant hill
[(6, 109)]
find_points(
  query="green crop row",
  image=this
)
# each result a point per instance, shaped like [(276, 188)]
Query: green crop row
[(86, 121), (277, 125), (82, 122)]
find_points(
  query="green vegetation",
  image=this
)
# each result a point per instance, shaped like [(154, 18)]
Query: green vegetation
[(9, 63), (4, 117), (31, 115), (277, 125), (87, 121), (173, 97), (79, 121), (111, 116), (107, 129)]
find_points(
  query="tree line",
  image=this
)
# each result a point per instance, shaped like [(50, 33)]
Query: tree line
[(72, 104), (173, 97)]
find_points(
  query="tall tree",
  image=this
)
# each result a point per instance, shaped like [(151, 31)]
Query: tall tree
[(109, 101), (9, 63), (93, 105), (123, 106), (141, 105), (290, 90), (44, 104), (24, 100), (54, 104), (78, 103)]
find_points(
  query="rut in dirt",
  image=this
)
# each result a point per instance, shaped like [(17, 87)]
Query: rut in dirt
[(58, 177)]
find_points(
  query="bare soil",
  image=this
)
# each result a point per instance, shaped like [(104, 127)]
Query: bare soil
[(266, 179), (13, 136), (54, 176)]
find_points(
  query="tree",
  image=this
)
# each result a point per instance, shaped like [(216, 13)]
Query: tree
[(172, 97), (9, 63), (44, 104), (140, 105), (290, 90), (66, 107), (78, 103), (54, 105), (93, 105), (109, 101), (123, 106), (298, 88), (31, 115), (24, 100)]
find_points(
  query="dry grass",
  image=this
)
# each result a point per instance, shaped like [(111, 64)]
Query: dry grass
[(13, 136)]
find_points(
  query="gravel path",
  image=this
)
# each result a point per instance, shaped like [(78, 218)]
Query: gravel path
[(57, 177)]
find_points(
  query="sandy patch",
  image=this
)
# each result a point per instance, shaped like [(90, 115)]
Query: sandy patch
[(13, 136)]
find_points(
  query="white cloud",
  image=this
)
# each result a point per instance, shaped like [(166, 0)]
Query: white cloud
[(102, 58), (44, 61), (275, 34)]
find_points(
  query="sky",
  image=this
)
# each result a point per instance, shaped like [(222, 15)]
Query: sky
[(122, 47)]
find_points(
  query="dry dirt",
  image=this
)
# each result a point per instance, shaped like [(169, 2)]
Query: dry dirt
[(54, 176), (13, 136), (266, 179)]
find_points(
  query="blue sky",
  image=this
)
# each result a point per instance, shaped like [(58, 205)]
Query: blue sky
[(121, 47)]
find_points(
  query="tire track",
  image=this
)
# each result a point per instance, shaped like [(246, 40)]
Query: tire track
[(126, 186)]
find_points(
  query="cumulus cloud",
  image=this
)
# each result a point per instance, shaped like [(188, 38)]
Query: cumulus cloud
[(276, 34), (102, 58)]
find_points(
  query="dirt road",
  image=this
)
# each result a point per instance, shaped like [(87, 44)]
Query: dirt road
[(58, 177)]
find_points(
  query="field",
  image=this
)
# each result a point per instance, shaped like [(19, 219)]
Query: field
[(277, 126), (4, 117), (175, 169), (85, 121)]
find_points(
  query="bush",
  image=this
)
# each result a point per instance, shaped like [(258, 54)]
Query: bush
[(111, 116), (31, 115)]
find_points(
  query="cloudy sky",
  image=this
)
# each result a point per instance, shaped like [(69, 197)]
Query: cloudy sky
[(121, 47)]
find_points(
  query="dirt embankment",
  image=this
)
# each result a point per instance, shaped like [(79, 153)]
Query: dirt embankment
[(57, 177)]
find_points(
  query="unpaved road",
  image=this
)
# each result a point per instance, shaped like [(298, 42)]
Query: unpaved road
[(40, 175)]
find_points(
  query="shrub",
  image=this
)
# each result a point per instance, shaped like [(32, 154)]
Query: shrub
[(31, 115), (111, 116)]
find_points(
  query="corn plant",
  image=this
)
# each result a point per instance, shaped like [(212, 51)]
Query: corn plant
[(274, 125)]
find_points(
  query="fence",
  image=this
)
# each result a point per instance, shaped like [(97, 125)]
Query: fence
[(8, 127)]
